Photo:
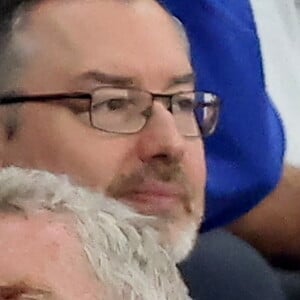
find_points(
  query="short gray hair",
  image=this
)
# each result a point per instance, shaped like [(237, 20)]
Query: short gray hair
[(11, 17)]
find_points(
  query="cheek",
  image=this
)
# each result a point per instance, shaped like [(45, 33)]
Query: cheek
[(195, 164), (106, 156), (196, 172), (46, 253), (100, 157), (62, 144), (98, 161)]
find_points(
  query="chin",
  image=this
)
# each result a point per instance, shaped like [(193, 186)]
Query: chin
[(177, 232), (179, 239), (184, 243)]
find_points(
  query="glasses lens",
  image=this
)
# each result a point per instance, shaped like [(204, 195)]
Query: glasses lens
[(127, 111), (195, 113), (120, 110), (183, 105), (207, 112)]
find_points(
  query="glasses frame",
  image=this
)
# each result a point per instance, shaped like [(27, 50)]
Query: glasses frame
[(40, 98)]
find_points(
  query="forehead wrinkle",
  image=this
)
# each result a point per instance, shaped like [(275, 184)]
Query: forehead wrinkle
[(97, 77), (62, 43), (188, 78)]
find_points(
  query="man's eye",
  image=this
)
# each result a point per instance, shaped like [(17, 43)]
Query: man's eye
[(116, 104), (186, 104), (113, 104)]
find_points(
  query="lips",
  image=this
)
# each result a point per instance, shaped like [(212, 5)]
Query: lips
[(153, 197)]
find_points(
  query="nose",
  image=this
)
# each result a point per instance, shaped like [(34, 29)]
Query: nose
[(160, 138)]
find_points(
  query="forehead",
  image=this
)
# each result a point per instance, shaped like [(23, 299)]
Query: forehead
[(43, 252), (130, 38)]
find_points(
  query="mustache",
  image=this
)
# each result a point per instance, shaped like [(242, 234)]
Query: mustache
[(171, 173)]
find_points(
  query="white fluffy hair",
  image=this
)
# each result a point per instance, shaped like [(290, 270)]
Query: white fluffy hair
[(121, 245)]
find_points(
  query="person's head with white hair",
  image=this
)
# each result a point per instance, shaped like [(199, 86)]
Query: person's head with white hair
[(64, 242), (104, 92)]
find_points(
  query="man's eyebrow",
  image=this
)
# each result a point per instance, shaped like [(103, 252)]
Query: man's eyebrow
[(127, 81), (189, 78), (105, 78)]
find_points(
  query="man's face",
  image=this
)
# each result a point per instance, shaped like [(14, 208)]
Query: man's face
[(156, 171)]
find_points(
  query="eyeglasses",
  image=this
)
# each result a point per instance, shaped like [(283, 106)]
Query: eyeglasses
[(127, 110)]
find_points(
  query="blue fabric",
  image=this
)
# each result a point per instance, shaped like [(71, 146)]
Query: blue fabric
[(246, 153)]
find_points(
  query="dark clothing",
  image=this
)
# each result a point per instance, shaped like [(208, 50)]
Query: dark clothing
[(290, 282), (223, 267)]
